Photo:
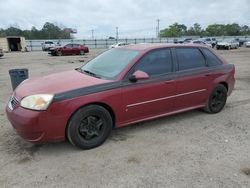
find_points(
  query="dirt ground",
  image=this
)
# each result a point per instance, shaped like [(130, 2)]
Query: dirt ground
[(192, 149)]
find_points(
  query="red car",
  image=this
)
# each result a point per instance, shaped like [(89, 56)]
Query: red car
[(120, 87), (69, 49)]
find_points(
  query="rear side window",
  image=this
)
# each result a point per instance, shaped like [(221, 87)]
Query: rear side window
[(156, 62), (189, 58), (212, 60)]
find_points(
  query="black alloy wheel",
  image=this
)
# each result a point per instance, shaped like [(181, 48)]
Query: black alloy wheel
[(217, 99), (82, 52), (59, 53), (89, 127)]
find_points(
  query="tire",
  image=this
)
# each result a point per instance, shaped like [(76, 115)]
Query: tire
[(216, 100), (82, 52), (89, 127), (59, 53)]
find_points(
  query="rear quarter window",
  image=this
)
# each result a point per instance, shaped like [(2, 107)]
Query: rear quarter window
[(212, 60), (189, 58)]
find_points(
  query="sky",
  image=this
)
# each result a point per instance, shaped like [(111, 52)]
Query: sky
[(134, 18)]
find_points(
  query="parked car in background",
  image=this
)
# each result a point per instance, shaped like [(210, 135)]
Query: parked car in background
[(47, 45), (69, 49), (200, 42), (181, 41), (1, 52), (228, 44), (117, 45), (211, 41), (241, 41), (247, 44), (122, 86)]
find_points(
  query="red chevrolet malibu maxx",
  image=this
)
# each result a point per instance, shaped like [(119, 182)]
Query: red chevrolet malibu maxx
[(120, 87)]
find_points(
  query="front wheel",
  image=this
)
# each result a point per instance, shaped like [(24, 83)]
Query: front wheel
[(59, 53), (217, 99), (89, 127), (82, 52)]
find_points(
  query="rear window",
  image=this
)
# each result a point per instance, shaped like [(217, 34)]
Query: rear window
[(189, 58), (212, 60)]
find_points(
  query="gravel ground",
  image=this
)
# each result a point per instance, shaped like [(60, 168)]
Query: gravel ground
[(192, 149)]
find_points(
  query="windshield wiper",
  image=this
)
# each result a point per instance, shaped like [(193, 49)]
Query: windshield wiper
[(91, 73)]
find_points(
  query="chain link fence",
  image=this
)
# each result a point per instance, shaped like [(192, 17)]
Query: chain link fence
[(36, 45)]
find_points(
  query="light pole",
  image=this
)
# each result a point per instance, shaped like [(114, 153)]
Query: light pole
[(158, 28), (117, 34), (92, 31)]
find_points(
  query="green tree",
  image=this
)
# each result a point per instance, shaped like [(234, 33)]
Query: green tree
[(245, 30), (232, 29), (216, 30), (13, 31), (175, 30)]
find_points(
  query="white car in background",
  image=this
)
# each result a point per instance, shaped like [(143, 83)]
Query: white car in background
[(211, 41), (247, 44), (117, 45), (227, 44), (201, 42), (47, 45)]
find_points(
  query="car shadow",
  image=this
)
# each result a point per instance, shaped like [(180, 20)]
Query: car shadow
[(19, 146)]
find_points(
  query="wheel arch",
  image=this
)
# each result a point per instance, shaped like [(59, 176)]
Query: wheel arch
[(104, 105), (224, 84)]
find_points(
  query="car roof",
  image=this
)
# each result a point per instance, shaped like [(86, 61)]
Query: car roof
[(148, 46)]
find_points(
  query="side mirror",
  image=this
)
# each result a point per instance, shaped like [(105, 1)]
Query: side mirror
[(139, 75)]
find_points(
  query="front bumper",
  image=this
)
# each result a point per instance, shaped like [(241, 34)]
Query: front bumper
[(36, 126), (52, 52)]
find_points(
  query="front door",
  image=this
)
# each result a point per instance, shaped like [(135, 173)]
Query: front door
[(152, 97)]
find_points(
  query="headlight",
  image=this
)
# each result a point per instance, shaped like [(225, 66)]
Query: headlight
[(37, 102)]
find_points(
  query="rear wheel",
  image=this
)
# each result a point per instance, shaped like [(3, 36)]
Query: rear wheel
[(217, 100), (89, 127)]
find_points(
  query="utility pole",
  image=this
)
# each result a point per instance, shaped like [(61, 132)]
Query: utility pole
[(116, 34), (158, 28), (92, 31)]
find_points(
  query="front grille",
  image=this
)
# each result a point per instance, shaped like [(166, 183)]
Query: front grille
[(13, 102)]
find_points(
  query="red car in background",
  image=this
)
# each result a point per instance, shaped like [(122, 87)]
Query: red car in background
[(122, 86), (69, 49)]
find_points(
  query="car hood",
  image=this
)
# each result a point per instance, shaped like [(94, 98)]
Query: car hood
[(56, 83), (223, 43)]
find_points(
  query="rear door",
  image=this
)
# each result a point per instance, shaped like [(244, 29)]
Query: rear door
[(191, 78), (154, 96)]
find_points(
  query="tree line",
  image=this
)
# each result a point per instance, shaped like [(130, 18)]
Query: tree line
[(177, 30), (48, 31), (52, 31)]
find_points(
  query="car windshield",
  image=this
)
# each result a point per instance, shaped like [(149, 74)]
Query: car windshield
[(110, 63)]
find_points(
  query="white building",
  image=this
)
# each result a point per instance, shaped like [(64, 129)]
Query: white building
[(13, 43)]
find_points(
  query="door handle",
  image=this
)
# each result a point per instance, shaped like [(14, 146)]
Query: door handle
[(168, 81), (208, 74)]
